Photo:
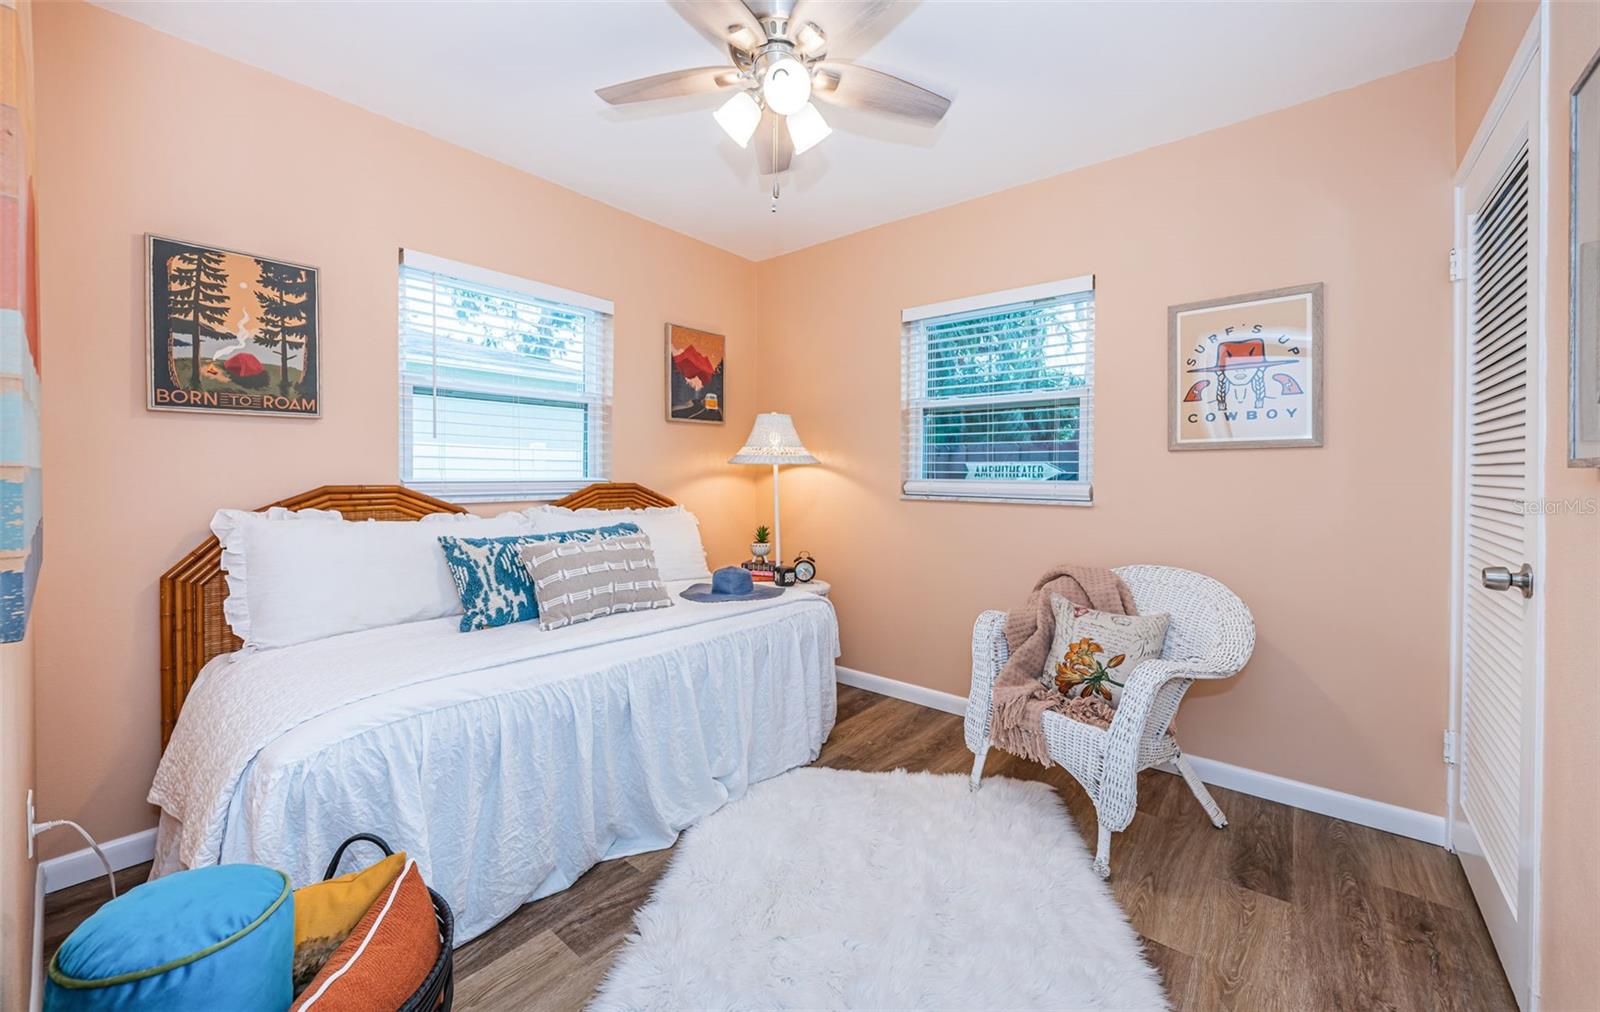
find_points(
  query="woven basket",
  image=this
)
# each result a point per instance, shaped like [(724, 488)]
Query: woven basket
[(438, 987)]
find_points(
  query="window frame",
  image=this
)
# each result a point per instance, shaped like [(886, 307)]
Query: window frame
[(596, 399), (915, 403)]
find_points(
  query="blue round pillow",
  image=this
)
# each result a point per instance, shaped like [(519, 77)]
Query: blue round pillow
[(220, 937)]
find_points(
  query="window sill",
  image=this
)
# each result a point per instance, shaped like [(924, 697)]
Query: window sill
[(1013, 501), (1054, 493), (491, 491)]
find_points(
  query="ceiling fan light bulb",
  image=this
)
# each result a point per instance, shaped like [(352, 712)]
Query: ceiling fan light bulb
[(809, 39), (738, 117), (786, 86), (807, 128)]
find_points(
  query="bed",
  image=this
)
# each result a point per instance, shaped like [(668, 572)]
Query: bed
[(507, 761)]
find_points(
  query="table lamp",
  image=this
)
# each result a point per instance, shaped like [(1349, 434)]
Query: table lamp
[(773, 441)]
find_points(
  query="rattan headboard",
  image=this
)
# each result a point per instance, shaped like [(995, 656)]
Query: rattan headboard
[(192, 627)]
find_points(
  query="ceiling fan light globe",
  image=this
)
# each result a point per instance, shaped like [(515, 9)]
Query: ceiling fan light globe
[(807, 128), (809, 39), (738, 117), (786, 86)]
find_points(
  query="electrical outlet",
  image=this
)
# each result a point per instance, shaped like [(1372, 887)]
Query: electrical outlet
[(29, 827)]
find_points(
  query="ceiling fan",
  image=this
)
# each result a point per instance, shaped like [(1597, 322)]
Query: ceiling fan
[(779, 54)]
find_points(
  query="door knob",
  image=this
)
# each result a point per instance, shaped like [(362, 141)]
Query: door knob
[(1501, 578)]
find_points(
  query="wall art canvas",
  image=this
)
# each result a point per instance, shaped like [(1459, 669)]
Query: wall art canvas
[(1246, 371), (21, 503), (231, 331), (1583, 448), (696, 361)]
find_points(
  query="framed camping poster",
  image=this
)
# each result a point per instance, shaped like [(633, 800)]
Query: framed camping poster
[(230, 332), (1245, 372), (696, 363)]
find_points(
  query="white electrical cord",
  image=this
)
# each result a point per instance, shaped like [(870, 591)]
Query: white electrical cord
[(40, 827)]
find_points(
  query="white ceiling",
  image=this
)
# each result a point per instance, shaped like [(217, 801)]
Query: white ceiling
[(1039, 88)]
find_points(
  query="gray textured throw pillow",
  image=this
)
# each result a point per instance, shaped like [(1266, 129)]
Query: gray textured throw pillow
[(579, 580)]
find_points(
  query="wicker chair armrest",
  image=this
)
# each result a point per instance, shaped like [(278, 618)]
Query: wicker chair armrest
[(989, 655), (1143, 709), (1139, 693)]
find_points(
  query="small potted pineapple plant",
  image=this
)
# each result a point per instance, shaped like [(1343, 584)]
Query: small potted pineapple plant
[(761, 546)]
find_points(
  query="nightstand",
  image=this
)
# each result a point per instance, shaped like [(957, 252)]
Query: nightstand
[(817, 587)]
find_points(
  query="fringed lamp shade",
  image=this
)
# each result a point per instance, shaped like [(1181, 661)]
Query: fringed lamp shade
[(773, 441)]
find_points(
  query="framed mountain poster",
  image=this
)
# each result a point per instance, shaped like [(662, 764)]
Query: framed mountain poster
[(1245, 372), (695, 364), (230, 331)]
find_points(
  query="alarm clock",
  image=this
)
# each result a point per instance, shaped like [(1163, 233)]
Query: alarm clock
[(805, 567)]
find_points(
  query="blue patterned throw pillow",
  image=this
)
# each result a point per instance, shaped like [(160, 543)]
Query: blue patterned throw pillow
[(493, 583)]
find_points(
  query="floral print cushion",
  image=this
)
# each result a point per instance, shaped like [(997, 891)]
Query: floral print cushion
[(494, 585), (1094, 651)]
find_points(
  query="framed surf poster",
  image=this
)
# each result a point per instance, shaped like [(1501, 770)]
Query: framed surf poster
[(1245, 372), (231, 332), (696, 362)]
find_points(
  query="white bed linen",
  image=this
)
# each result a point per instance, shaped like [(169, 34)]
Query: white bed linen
[(506, 761)]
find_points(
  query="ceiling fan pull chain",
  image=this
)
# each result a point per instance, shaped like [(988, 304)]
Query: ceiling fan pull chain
[(777, 125)]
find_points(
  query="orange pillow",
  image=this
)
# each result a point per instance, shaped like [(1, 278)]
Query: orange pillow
[(326, 912), (387, 956)]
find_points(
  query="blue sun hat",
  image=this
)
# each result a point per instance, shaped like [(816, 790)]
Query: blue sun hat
[(730, 583)]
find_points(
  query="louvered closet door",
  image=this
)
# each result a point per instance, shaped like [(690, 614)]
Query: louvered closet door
[(1501, 413)]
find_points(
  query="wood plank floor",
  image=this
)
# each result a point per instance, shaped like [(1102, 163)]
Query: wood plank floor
[(1282, 910)]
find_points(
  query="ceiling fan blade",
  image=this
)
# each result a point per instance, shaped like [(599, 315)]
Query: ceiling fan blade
[(698, 81), (838, 19), (725, 22), (774, 148), (856, 87)]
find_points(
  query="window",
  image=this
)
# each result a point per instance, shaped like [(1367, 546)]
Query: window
[(505, 384), (998, 396)]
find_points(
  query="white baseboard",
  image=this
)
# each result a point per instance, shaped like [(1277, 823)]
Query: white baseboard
[(36, 981), (949, 702), (1322, 800), (1295, 793), (81, 865)]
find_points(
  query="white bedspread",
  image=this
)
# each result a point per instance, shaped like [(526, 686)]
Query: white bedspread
[(506, 761)]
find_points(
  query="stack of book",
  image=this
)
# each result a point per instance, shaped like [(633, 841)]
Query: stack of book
[(760, 570)]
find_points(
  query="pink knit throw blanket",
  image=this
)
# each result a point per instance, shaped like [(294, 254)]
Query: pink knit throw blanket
[(1020, 699)]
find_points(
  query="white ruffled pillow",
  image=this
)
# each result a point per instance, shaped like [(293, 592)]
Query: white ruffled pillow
[(674, 533), (299, 575)]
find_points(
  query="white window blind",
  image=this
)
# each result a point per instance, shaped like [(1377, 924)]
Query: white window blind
[(505, 384), (997, 396)]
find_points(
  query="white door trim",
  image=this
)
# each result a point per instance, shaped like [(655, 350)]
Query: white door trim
[(1527, 60)]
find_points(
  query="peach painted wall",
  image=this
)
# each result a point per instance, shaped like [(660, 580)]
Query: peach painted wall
[(305, 177), (1494, 30), (17, 872), (1570, 873), (1342, 552)]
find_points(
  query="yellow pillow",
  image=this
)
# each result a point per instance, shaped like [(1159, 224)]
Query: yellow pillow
[(325, 913)]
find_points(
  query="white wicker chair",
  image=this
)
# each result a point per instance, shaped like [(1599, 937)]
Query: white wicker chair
[(1211, 635)]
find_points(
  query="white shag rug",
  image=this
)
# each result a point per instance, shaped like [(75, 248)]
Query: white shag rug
[(831, 889)]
